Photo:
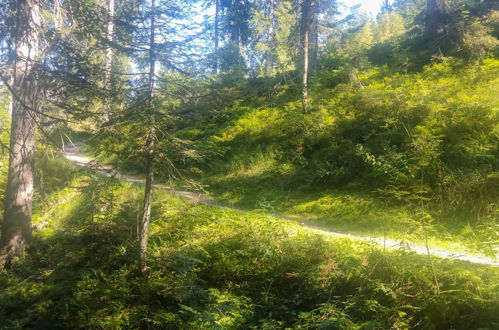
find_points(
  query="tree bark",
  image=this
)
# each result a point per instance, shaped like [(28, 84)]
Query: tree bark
[(313, 28), (435, 18), (149, 149), (304, 99), (16, 227), (309, 28), (305, 25), (269, 56), (216, 36), (109, 58), (147, 206)]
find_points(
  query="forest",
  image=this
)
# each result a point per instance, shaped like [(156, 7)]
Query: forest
[(249, 164)]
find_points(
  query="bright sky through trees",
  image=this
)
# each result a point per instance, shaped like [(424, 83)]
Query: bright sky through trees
[(370, 6)]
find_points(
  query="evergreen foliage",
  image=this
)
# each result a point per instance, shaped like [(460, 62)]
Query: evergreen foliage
[(441, 123)]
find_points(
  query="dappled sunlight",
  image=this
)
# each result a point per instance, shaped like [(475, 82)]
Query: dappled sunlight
[(202, 256), (249, 164)]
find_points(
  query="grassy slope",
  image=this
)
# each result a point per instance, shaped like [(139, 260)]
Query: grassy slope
[(352, 166), (212, 268)]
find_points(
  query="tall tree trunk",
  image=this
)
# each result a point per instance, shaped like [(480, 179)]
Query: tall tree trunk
[(216, 36), (435, 18), (147, 206), (269, 56), (150, 149), (235, 35), (238, 42), (305, 43), (109, 57), (16, 227), (313, 28), (304, 97), (309, 26)]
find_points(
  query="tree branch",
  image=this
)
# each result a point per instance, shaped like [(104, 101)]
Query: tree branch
[(14, 94)]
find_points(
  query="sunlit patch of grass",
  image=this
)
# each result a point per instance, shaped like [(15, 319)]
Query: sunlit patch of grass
[(353, 213), (217, 268)]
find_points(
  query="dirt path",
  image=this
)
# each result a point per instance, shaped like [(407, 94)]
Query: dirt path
[(73, 153)]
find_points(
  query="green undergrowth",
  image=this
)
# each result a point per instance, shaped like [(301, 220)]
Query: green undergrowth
[(381, 156), (355, 213), (212, 268), (377, 158)]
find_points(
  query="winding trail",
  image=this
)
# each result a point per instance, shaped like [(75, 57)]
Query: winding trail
[(73, 153)]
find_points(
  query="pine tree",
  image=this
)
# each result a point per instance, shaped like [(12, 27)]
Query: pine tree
[(309, 11), (216, 35), (150, 144), (109, 56), (284, 48), (236, 16), (435, 18), (25, 38), (159, 50)]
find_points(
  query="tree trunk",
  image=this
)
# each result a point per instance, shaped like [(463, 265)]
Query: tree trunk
[(216, 36), (150, 149), (313, 28), (305, 43), (235, 35), (16, 227), (109, 58), (304, 98), (435, 18), (146, 210), (269, 56)]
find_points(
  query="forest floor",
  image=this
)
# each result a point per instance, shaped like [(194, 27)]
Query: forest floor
[(74, 153)]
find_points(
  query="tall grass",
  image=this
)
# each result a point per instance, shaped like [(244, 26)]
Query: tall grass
[(214, 268)]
